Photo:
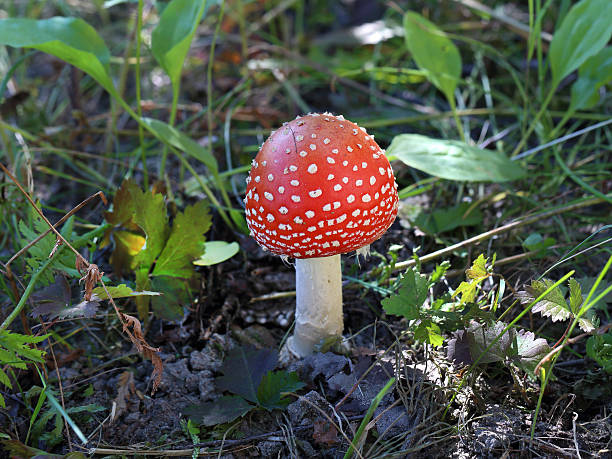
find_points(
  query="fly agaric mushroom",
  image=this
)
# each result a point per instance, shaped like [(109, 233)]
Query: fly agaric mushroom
[(320, 186)]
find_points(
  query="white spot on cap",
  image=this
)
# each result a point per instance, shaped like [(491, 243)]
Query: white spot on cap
[(356, 212), (381, 170), (355, 131), (341, 218), (270, 177), (364, 164), (293, 168), (358, 182), (257, 179), (337, 204), (350, 198), (336, 243), (349, 149), (355, 168), (288, 150), (372, 180), (299, 138), (312, 228), (345, 163), (269, 196), (345, 179), (327, 207), (330, 177), (312, 168), (331, 160), (366, 198), (283, 210), (298, 220), (295, 182), (337, 187), (314, 136), (335, 151), (313, 146), (326, 140), (295, 198), (303, 153), (270, 218), (310, 213), (281, 189), (315, 193)]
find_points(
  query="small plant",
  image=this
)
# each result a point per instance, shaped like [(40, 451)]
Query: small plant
[(248, 374)]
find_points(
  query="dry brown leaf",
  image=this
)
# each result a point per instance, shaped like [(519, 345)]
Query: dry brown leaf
[(324, 433), (91, 278), (125, 389), (143, 347)]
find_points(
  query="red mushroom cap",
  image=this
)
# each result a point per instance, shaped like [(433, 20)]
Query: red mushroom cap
[(319, 186)]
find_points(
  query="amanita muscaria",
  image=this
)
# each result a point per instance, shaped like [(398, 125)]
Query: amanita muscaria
[(320, 186)]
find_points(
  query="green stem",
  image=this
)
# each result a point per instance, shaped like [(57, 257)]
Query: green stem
[(535, 121)]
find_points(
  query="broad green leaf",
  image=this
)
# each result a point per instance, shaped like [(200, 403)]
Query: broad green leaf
[(453, 159), (439, 272), (575, 296), (480, 337), (274, 385), (119, 291), (599, 348), (535, 241), (592, 75), (529, 350), (478, 270), (442, 220), (410, 297), (174, 297), (433, 52), (585, 30), (217, 252), (172, 37), (243, 370), (220, 411), (150, 215), (172, 136), (70, 39), (475, 275), (123, 203), (185, 242), (429, 332)]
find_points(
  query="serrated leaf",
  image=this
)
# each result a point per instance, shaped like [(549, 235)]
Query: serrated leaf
[(220, 411), (70, 39), (530, 350), (150, 215), (184, 244), (553, 305), (478, 270), (119, 291), (575, 296), (592, 75), (217, 252), (453, 159), (410, 297), (243, 370), (480, 337), (123, 203), (127, 246), (433, 52), (429, 332), (585, 30), (438, 272), (274, 385)]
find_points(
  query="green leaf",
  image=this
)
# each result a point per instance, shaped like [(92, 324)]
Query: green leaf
[(172, 37), (410, 297), (535, 241), (174, 297), (599, 348), (274, 385), (592, 75), (478, 270), (150, 215), (575, 296), (70, 39), (553, 305), (585, 30), (185, 242), (219, 411), (439, 272), (172, 136), (433, 52), (429, 332), (453, 159), (480, 337), (476, 274), (119, 291), (243, 370), (442, 220), (217, 252), (530, 350)]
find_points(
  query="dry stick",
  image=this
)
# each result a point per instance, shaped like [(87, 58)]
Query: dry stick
[(502, 229), (59, 222)]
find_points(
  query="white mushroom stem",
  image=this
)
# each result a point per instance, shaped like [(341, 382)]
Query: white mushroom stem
[(318, 313)]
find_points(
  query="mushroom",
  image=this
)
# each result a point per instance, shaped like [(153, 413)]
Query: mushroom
[(319, 187)]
